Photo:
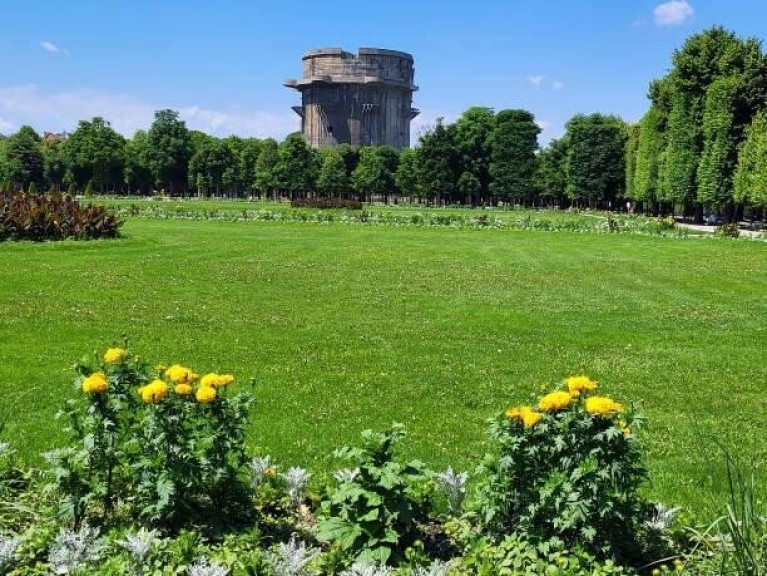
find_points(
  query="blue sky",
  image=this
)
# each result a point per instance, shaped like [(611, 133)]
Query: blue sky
[(222, 63)]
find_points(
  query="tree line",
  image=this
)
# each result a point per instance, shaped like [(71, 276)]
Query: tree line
[(701, 146)]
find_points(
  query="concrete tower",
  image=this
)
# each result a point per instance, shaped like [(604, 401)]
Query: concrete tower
[(362, 99)]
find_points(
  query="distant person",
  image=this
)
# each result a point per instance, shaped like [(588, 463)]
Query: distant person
[(712, 219)]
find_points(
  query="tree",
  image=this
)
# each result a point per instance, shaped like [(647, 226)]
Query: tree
[(751, 174), (138, 172), (24, 158), (632, 147), (95, 153), (209, 165), (406, 177), (648, 159), (596, 163), (438, 161), (677, 182), (298, 167), (513, 144), (552, 176), (169, 150), (472, 138), (720, 145), (54, 162), (333, 180), (375, 172), (266, 179)]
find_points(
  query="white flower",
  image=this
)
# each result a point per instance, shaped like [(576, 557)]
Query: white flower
[(139, 544), (8, 547), (204, 568), (74, 550), (258, 468), (296, 478), (5, 448), (454, 486), (437, 568), (662, 518), (291, 559), (346, 474), (52, 457), (367, 569)]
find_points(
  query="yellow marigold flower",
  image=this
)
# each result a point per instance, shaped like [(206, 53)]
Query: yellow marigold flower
[(183, 389), (225, 379), (531, 418), (271, 471), (602, 406), (96, 383), (179, 374), (154, 392), (209, 380), (206, 394), (578, 384), (115, 355), (514, 413), (555, 401)]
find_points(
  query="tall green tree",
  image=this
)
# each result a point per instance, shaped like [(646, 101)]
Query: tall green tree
[(267, 168), (376, 171), (632, 148), (54, 162), (138, 171), (95, 153), (750, 181), (552, 172), (438, 162), (170, 150), (677, 180), (406, 177), (473, 130), (209, 165), (648, 160), (596, 161), (298, 168), (24, 158), (720, 144), (333, 179), (513, 144)]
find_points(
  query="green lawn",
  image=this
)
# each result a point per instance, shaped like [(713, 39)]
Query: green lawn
[(352, 327)]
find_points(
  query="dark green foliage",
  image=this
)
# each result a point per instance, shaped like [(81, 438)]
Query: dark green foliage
[(680, 160), (209, 164), (333, 179), (95, 153), (138, 171), (55, 162), (374, 512), (406, 177), (438, 162), (169, 148), (267, 177), (720, 148), (26, 216), (473, 132), (324, 203), (298, 167), (632, 147), (513, 144), (649, 157), (751, 174), (24, 158), (552, 174), (375, 172), (596, 162)]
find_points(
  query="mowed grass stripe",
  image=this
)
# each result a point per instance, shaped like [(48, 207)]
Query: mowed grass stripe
[(345, 328)]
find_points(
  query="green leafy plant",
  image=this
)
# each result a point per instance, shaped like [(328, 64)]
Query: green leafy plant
[(372, 511), (570, 469)]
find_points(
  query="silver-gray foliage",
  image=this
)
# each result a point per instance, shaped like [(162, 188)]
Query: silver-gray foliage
[(139, 544), (292, 559), (73, 550), (346, 474), (8, 547), (205, 568), (296, 479), (258, 467), (454, 486), (437, 568), (367, 569), (662, 518)]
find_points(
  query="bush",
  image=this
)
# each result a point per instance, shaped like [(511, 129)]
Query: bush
[(372, 512), (340, 203), (728, 230), (570, 469), (37, 217), (166, 442)]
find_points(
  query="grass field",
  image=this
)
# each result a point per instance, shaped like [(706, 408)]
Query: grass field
[(345, 328)]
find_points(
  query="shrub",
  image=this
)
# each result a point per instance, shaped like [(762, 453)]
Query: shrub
[(340, 203), (25, 216), (373, 512), (169, 443), (570, 469), (728, 230)]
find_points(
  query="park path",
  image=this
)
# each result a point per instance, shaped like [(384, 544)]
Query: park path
[(711, 229)]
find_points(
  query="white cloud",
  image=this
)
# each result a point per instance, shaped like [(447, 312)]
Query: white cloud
[(543, 124), (536, 81), (558, 85), (56, 111), (49, 46), (673, 13)]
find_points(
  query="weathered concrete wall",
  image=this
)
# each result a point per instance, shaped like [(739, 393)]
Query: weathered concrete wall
[(362, 100)]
